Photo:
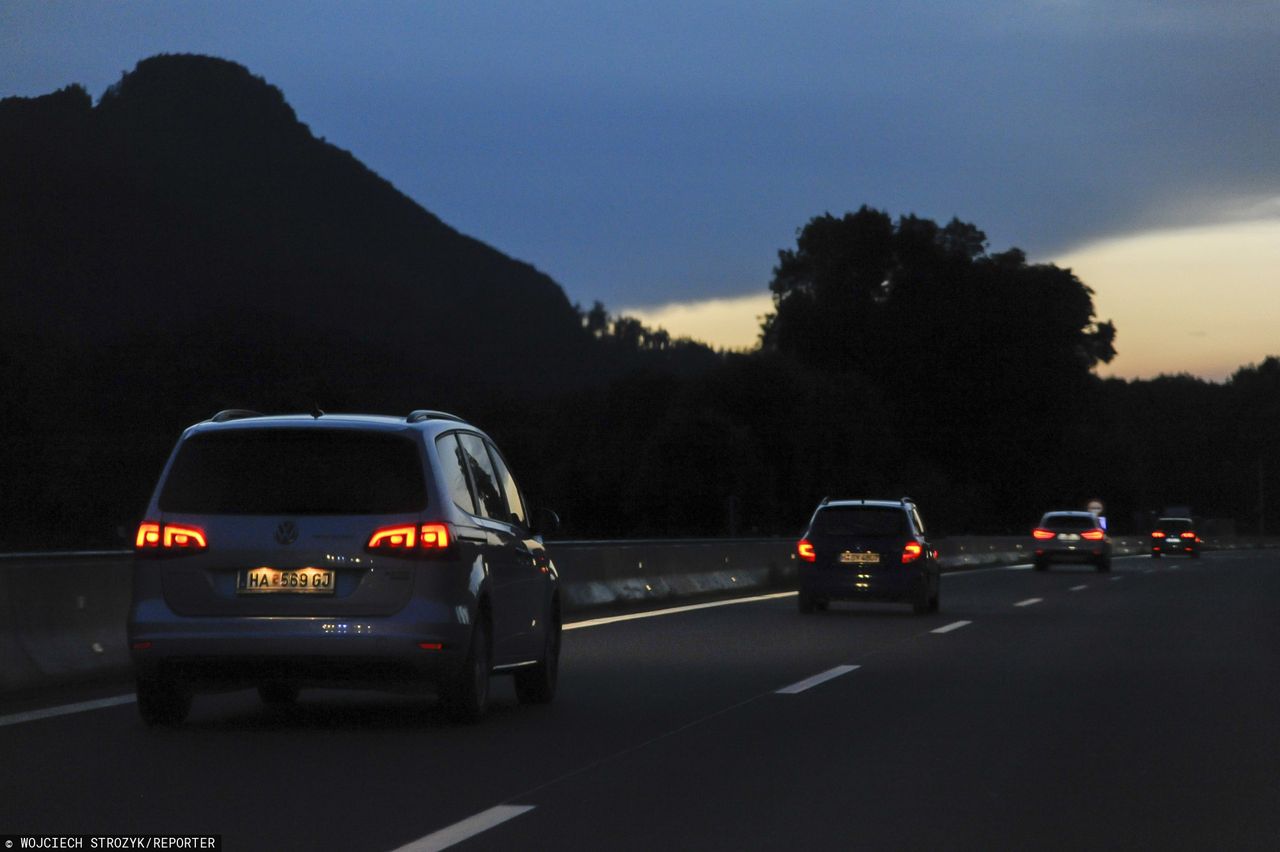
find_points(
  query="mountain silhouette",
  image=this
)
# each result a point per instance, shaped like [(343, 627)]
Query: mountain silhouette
[(190, 209)]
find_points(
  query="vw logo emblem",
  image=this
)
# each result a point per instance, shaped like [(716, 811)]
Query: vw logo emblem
[(287, 532)]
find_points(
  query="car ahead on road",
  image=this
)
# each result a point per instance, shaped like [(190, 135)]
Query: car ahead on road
[(867, 550), (1071, 537), (1175, 535), (322, 550)]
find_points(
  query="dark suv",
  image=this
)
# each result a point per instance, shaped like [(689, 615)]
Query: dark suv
[(1175, 535), (867, 550), (339, 550), (1071, 536)]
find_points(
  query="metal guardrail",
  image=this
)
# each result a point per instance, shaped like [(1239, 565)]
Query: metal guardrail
[(62, 615)]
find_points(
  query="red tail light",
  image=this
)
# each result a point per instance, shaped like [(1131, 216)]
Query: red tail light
[(407, 538), (1043, 534), (170, 537), (1093, 535), (805, 550), (911, 552), (393, 538), (1157, 534), (1188, 535), (434, 536)]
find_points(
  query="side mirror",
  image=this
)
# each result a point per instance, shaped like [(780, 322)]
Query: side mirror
[(545, 522)]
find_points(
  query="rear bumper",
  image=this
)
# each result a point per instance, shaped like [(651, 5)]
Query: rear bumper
[(849, 583), (1168, 548), (1073, 553), (310, 651)]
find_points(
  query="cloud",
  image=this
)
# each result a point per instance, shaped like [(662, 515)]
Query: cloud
[(1201, 300), (722, 323)]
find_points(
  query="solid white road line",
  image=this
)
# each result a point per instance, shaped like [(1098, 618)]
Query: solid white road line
[(1116, 579), (810, 682), (468, 828), (632, 616), (956, 625), (65, 710), (1077, 588), (1029, 602)]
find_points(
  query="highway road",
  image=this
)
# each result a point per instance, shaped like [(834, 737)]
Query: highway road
[(1061, 710)]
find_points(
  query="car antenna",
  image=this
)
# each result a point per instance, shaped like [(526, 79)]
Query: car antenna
[(316, 412)]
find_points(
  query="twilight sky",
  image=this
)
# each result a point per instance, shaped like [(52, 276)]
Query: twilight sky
[(661, 153)]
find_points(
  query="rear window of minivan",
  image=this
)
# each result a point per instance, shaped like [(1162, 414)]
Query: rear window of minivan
[(295, 472)]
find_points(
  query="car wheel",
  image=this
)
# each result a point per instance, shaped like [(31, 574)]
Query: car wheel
[(920, 606), (820, 605), (466, 695), (1104, 564), (537, 684), (1195, 554), (804, 602), (935, 602), (162, 701), (1155, 555), (1040, 564), (277, 693)]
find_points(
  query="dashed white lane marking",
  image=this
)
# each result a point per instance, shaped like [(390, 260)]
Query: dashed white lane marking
[(1078, 588), (955, 625), (1116, 579), (65, 710), (1029, 602), (468, 828), (632, 616), (810, 682)]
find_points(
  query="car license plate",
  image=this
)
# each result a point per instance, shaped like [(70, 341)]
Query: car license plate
[(265, 580), (1069, 536), (851, 558)]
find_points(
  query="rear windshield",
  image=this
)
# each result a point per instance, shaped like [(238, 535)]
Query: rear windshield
[(295, 472), (861, 520), (1173, 524), (1071, 523)]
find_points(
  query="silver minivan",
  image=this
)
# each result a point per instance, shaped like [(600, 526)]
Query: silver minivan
[(286, 552)]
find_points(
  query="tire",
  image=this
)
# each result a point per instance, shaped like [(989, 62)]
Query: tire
[(804, 602), (921, 605), (1040, 564), (537, 684), (820, 605), (1155, 556), (277, 694), (935, 602), (162, 702), (466, 694), (1104, 565)]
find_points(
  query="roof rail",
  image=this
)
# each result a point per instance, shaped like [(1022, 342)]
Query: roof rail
[(424, 414), (233, 414), (825, 501), (906, 499)]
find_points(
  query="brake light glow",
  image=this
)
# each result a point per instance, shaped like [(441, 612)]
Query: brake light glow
[(1043, 534), (176, 536), (155, 536), (1188, 535), (1093, 535), (434, 536), (805, 550), (911, 552), (148, 535), (393, 538), (1157, 534)]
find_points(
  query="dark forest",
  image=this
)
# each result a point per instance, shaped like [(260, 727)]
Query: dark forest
[(186, 245)]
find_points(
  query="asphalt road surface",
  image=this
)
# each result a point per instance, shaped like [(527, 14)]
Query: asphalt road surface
[(1061, 710)]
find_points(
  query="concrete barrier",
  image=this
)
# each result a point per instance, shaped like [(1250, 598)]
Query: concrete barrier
[(62, 615)]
